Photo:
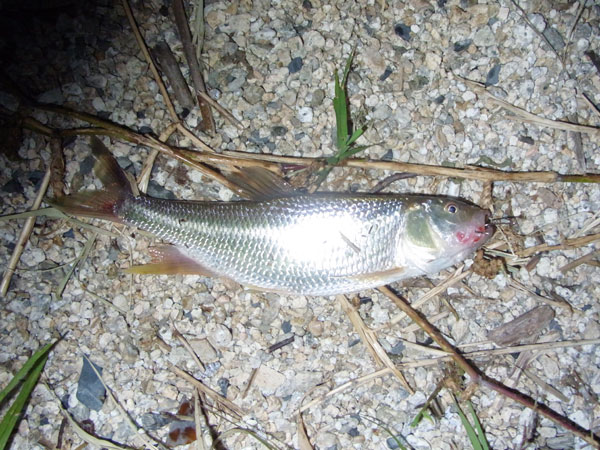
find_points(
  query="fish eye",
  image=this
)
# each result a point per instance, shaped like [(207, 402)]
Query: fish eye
[(451, 208)]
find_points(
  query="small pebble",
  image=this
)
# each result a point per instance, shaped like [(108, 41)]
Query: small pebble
[(493, 75), (295, 65), (403, 31)]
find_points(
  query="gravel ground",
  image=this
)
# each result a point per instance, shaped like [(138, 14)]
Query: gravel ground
[(271, 64)]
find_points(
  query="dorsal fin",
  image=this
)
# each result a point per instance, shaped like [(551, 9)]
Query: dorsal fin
[(257, 183)]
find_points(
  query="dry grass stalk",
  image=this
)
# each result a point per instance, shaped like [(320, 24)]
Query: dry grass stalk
[(450, 281), (349, 384), (80, 432), (144, 177), (222, 402), (369, 338), (567, 244), (526, 116), (200, 422), (435, 361), (144, 49), (24, 236), (584, 259), (521, 287), (303, 440), (224, 112), (413, 327), (183, 341)]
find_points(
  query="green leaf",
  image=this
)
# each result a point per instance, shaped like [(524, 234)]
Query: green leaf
[(34, 366), (22, 373)]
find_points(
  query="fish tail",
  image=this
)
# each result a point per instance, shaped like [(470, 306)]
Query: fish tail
[(105, 203)]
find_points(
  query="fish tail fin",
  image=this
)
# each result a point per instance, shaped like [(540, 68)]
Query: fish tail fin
[(104, 203)]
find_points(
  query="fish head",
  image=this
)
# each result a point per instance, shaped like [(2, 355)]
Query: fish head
[(441, 231)]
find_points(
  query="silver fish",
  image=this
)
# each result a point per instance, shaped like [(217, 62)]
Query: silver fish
[(320, 244)]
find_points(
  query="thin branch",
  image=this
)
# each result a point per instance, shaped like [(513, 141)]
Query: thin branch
[(480, 378)]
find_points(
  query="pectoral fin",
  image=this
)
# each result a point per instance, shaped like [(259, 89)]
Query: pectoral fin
[(169, 260)]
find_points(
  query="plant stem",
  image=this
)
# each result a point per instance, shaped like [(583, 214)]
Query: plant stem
[(483, 380)]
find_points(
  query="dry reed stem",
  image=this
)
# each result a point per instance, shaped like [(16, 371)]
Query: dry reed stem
[(369, 338), (144, 49), (240, 159), (220, 401), (24, 236)]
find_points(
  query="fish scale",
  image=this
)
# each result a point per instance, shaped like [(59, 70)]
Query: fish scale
[(317, 244)]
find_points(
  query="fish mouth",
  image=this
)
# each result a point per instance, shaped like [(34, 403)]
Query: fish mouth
[(485, 231)]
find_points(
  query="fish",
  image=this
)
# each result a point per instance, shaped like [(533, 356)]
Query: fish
[(292, 243)]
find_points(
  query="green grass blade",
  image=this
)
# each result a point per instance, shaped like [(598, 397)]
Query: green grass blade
[(354, 150), (348, 65), (14, 412), (357, 133), (481, 434), (473, 438), (341, 113), (22, 373)]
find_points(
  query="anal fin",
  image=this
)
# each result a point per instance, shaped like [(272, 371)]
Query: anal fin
[(169, 260)]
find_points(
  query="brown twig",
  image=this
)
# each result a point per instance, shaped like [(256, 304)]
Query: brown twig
[(169, 67), (480, 378), (24, 236), (188, 50)]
